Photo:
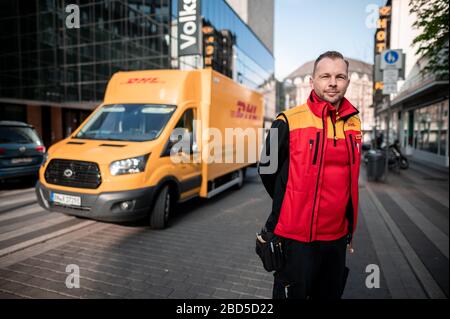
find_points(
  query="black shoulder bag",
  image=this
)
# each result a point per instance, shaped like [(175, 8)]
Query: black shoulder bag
[(270, 251)]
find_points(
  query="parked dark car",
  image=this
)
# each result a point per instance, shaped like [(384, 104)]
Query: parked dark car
[(21, 150)]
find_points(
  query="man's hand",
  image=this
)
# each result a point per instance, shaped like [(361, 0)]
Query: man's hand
[(265, 236), (260, 239)]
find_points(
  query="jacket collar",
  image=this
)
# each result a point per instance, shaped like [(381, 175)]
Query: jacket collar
[(317, 106)]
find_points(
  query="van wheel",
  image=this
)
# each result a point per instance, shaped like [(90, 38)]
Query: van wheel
[(161, 210), (240, 174)]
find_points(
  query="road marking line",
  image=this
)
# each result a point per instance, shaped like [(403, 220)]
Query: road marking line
[(34, 241), (39, 248), (16, 192), (34, 227), (20, 200), (32, 220), (35, 208)]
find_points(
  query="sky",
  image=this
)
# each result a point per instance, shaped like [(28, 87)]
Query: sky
[(306, 28)]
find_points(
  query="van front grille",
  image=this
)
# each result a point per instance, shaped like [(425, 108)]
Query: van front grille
[(76, 174)]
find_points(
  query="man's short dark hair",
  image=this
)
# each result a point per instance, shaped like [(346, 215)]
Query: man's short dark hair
[(331, 55)]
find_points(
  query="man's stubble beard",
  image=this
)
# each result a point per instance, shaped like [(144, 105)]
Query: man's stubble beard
[(337, 103)]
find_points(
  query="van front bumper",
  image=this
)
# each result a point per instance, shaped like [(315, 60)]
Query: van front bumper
[(103, 206)]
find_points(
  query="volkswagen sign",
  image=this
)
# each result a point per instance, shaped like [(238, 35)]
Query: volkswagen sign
[(189, 27)]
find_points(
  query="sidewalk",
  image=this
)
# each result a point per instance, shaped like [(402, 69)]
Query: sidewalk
[(429, 167), (406, 222)]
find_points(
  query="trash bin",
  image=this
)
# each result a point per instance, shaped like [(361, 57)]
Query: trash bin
[(375, 165)]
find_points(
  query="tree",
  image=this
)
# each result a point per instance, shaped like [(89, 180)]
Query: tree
[(432, 20)]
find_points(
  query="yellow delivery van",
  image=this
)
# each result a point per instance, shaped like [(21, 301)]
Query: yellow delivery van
[(158, 138)]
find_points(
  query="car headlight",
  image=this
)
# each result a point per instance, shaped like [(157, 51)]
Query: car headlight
[(128, 166)]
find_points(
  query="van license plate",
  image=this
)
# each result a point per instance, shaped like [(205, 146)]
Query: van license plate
[(65, 199)]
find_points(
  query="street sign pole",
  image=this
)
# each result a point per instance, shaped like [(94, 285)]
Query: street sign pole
[(388, 123), (392, 65)]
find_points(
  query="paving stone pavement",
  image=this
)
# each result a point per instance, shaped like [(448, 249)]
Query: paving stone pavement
[(208, 250)]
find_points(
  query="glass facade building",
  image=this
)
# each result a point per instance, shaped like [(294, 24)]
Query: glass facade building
[(42, 59), (50, 72), (254, 62)]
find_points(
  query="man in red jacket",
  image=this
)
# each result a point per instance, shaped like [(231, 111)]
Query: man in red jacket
[(315, 186)]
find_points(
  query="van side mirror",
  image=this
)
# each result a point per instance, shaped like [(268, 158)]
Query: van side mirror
[(174, 138), (183, 138), (194, 147)]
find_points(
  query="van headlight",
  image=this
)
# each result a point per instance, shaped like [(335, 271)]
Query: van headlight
[(44, 159), (129, 166)]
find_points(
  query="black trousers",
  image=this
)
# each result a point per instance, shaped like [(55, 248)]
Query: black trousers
[(312, 270)]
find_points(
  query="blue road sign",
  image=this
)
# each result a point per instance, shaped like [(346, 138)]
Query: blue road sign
[(391, 57)]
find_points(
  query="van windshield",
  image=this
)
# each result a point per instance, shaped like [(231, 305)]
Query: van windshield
[(127, 122)]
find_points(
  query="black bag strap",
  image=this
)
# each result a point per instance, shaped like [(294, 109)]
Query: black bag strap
[(285, 117), (349, 216), (277, 216)]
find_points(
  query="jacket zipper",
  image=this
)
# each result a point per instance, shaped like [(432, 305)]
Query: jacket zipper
[(334, 128), (351, 175), (317, 148), (351, 169), (318, 175), (353, 148)]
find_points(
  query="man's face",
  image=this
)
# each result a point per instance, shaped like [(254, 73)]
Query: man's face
[(330, 81)]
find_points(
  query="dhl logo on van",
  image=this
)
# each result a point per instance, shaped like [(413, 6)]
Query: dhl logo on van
[(147, 80), (245, 111)]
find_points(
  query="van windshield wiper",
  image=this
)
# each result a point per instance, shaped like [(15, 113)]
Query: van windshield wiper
[(93, 136), (113, 139), (99, 138)]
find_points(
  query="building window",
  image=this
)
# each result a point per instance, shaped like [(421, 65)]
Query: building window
[(13, 113), (430, 128)]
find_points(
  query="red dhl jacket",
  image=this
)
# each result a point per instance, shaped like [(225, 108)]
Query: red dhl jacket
[(296, 185)]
